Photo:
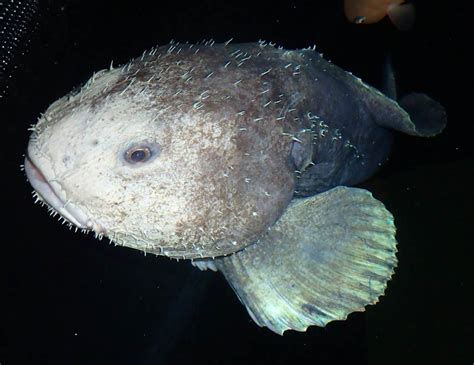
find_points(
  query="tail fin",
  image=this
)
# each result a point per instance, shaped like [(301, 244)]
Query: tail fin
[(426, 117)]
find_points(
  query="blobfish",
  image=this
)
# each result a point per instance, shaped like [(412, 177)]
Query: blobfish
[(239, 157)]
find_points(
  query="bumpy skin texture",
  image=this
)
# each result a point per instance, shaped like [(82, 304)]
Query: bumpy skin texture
[(237, 130), (223, 125)]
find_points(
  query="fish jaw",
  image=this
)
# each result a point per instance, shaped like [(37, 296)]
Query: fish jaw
[(55, 198)]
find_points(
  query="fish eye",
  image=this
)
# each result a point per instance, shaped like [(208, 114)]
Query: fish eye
[(141, 153), (138, 155)]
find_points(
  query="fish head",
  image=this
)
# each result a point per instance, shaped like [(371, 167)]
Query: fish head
[(157, 173)]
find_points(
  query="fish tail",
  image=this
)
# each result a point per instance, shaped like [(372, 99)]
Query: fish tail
[(427, 116), (422, 115)]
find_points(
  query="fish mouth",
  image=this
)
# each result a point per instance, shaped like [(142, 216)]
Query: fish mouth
[(52, 197)]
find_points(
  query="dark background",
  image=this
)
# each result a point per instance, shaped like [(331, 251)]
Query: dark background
[(66, 298)]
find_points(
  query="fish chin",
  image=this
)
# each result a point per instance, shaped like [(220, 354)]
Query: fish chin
[(53, 197)]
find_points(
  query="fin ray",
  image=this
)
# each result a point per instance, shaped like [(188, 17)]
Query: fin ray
[(327, 256)]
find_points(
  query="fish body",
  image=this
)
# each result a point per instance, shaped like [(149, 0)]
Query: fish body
[(203, 151), (401, 14)]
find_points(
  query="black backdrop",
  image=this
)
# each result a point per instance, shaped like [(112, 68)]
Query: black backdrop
[(68, 299)]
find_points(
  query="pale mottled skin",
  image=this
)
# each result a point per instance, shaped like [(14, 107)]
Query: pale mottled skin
[(238, 129), (223, 174)]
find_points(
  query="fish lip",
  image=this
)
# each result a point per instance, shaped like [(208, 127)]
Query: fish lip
[(51, 196)]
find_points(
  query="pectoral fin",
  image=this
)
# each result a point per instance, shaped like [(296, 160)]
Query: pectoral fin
[(326, 257)]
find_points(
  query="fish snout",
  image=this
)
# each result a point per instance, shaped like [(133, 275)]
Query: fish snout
[(51, 193)]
